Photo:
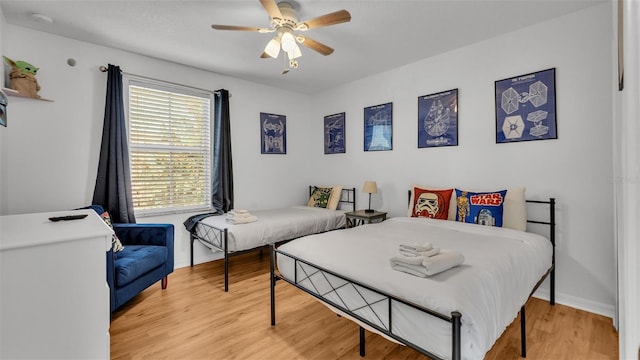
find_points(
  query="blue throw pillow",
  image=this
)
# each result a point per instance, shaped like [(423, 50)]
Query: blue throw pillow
[(484, 208)]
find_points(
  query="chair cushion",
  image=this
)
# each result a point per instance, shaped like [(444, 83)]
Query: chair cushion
[(136, 260)]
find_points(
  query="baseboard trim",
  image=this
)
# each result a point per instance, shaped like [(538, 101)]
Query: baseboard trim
[(578, 303)]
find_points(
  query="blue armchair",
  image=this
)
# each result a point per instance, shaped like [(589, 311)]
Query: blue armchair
[(147, 257)]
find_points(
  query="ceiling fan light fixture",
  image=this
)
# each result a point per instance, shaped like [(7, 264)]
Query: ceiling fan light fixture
[(295, 53), (288, 42), (273, 48), (283, 15)]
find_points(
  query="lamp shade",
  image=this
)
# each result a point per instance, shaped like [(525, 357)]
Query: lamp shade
[(370, 187)]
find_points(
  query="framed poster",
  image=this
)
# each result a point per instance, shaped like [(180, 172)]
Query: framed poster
[(526, 107), (273, 131), (334, 134), (378, 121), (438, 119), (3, 109)]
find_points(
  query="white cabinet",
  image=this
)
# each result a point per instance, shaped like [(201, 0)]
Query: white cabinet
[(54, 298)]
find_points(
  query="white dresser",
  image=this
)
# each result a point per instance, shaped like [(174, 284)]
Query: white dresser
[(54, 298)]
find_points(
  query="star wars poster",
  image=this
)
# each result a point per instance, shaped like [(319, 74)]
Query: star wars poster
[(378, 126), (526, 107), (334, 134), (438, 119), (273, 130)]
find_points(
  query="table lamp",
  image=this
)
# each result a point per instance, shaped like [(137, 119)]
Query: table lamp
[(369, 187)]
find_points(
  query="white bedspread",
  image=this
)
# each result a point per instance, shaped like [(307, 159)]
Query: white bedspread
[(500, 270), (277, 225)]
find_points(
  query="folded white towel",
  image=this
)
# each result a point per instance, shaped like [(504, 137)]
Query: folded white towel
[(409, 264), (416, 270), (414, 247), (241, 220), (407, 260), (445, 260), (434, 251), (238, 215), (424, 266)]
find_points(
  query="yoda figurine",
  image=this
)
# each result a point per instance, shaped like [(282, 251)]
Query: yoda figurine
[(23, 78)]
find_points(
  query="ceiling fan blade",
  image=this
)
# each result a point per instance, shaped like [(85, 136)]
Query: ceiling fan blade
[(272, 8), (314, 45), (232, 27), (265, 55), (325, 20)]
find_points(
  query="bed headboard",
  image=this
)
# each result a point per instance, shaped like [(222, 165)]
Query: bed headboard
[(347, 198)]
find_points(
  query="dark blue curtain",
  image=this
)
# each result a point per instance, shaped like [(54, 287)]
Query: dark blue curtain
[(113, 183), (222, 183)]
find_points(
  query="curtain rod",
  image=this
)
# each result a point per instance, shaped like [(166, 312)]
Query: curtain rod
[(105, 69)]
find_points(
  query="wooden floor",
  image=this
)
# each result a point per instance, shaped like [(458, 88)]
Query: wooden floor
[(195, 319)]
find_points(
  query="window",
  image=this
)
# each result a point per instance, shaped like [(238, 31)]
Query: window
[(170, 146)]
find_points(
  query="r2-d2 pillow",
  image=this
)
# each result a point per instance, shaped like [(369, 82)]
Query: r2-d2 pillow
[(483, 208)]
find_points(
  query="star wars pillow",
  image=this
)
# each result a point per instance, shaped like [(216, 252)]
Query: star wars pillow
[(483, 208), (432, 204)]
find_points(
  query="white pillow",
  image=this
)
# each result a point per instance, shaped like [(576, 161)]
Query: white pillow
[(334, 199), (514, 214)]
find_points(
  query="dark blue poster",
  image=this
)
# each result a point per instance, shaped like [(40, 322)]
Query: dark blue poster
[(378, 121), (526, 107), (273, 130), (334, 134), (438, 119)]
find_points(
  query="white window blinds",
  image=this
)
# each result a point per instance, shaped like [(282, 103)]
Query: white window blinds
[(170, 147)]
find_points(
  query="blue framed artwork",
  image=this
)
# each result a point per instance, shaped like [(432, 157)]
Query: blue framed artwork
[(378, 127), (526, 107), (334, 134), (273, 133), (438, 119)]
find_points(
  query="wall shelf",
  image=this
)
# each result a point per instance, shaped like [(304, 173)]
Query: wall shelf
[(11, 92)]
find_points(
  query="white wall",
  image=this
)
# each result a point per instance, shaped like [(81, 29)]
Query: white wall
[(53, 147), (576, 168)]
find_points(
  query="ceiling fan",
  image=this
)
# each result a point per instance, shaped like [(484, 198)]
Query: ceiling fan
[(284, 22)]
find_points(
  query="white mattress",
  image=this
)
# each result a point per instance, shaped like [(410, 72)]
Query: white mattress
[(500, 270), (276, 225)]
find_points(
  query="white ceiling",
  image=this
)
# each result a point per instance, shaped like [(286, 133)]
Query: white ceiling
[(382, 35)]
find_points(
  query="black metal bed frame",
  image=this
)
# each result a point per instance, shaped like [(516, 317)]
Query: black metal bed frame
[(308, 269), (216, 238)]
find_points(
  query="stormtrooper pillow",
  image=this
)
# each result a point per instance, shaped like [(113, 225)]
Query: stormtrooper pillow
[(432, 204)]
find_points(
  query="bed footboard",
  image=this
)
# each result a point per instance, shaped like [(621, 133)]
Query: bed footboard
[(325, 285), (215, 239)]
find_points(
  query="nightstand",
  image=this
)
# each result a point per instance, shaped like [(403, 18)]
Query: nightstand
[(361, 217)]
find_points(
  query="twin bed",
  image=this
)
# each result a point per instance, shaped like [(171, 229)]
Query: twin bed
[(274, 226), (457, 314)]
